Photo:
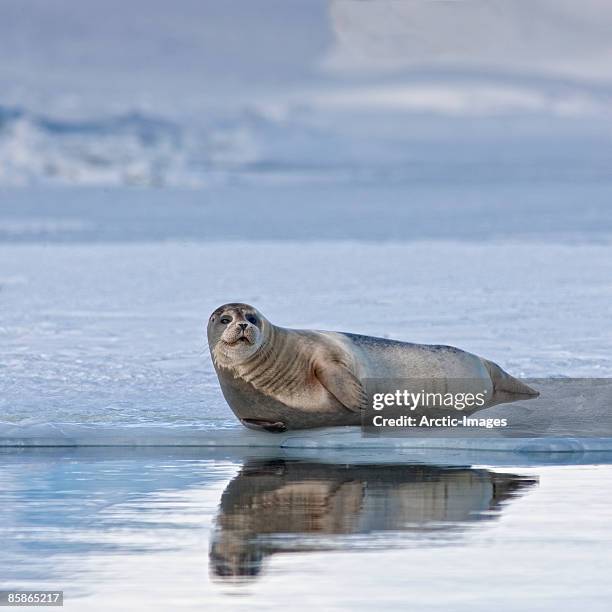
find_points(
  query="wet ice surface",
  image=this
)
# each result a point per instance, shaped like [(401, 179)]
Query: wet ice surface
[(114, 332), (102, 336), (182, 529)]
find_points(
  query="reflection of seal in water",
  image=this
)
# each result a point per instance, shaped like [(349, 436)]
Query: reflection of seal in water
[(287, 506), (277, 379)]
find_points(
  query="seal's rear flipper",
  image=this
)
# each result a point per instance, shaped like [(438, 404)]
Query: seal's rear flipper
[(506, 388)]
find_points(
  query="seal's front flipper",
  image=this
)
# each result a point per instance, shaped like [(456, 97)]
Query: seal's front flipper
[(261, 425), (338, 379)]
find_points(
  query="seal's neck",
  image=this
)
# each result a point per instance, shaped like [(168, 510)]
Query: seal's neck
[(273, 338), (276, 363)]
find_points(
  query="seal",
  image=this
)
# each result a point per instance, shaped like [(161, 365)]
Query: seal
[(276, 379)]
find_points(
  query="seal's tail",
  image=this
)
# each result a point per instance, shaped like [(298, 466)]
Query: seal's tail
[(506, 388)]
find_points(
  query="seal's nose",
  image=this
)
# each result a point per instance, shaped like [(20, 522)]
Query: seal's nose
[(243, 326)]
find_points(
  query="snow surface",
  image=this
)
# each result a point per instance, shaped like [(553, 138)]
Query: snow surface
[(94, 93), (403, 196), (104, 342)]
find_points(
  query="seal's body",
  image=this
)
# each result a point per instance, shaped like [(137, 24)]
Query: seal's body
[(277, 379)]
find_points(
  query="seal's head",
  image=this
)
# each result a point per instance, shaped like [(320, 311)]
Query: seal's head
[(235, 333)]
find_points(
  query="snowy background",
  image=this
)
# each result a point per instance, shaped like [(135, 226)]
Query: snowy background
[(198, 92), (430, 171)]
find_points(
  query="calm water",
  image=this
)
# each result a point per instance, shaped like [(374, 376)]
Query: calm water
[(186, 529)]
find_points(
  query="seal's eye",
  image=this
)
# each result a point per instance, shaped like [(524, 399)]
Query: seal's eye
[(225, 320), (251, 318)]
